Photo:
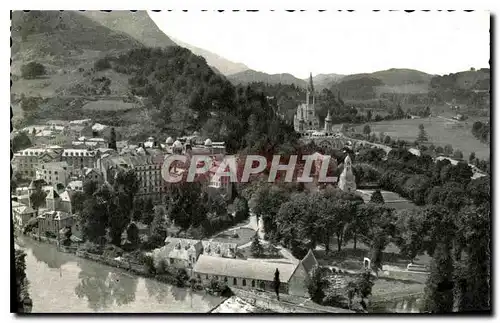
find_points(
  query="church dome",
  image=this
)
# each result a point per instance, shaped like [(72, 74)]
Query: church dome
[(169, 141), (177, 144), (208, 142)]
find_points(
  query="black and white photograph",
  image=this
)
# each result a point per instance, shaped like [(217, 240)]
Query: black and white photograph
[(330, 162)]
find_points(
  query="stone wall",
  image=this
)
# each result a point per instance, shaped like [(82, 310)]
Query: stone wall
[(269, 302)]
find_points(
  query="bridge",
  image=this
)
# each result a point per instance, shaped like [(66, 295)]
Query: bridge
[(339, 141)]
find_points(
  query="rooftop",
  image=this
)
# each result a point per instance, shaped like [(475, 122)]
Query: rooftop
[(260, 270)]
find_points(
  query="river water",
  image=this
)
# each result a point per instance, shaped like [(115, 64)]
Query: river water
[(64, 283)]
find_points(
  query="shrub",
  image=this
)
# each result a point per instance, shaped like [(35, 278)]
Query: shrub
[(217, 287), (32, 70), (181, 277), (91, 247), (149, 264), (112, 251)]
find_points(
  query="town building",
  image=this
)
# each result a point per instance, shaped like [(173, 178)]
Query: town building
[(257, 274), (147, 170), (56, 172), (27, 161), (92, 174), (179, 253), (100, 130), (75, 186), (219, 249), (79, 158), (89, 143), (347, 181), (305, 118), (54, 222), (21, 214)]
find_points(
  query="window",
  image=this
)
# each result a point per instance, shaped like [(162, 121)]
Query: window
[(235, 282), (253, 283), (198, 276), (244, 283), (206, 276), (262, 285), (225, 279)]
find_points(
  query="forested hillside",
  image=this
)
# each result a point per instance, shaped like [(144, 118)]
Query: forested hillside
[(182, 94)]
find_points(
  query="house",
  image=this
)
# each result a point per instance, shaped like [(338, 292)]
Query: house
[(21, 214), (75, 186), (57, 172), (180, 253), (92, 174), (257, 274), (54, 221), (58, 201), (100, 130), (79, 158), (27, 161), (219, 249)]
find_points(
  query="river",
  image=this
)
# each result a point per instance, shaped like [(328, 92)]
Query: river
[(64, 283), (410, 304)]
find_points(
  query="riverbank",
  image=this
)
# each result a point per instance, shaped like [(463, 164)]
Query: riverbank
[(64, 283)]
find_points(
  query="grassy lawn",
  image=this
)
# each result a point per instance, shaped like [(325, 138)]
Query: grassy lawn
[(386, 288), (439, 131), (244, 235), (108, 105), (349, 258)]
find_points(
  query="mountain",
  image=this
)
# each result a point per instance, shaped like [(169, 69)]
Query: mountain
[(251, 76), (221, 64), (396, 76), (62, 38), (323, 80), (137, 24)]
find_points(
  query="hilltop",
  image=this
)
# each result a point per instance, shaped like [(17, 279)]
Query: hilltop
[(221, 64), (137, 25), (61, 39), (251, 76), (322, 81)]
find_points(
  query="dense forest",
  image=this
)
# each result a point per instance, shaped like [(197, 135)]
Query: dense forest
[(182, 94)]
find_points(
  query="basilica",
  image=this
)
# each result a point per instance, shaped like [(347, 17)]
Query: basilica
[(305, 118)]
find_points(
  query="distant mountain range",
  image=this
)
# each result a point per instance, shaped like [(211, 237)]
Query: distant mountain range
[(251, 76)]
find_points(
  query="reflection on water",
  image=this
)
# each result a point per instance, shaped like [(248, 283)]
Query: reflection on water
[(62, 282), (405, 305)]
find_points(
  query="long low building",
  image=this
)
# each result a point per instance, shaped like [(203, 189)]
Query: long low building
[(257, 274)]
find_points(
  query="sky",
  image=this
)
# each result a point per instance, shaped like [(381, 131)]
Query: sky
[(337, 42)]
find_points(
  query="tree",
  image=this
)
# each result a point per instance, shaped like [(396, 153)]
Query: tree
[(458, 154), (90, 187), (439, 286), (369, 115), (241, 209), (316, 285), (411, 232), (118, 216), (367, 130), (112, 139), (472, 157), (77, 200), (37, 197), (127, 182), (364, 285), (23, 299), (387, 140), (158, 230), (148, 211), (448, 150), (133, 235), (20, 141), (256, 247), (377, 197), (422, 135), (137, 209), (277, 283), (32, 70), (439, 150)]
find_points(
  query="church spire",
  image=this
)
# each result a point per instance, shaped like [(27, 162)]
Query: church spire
[(311, 85)]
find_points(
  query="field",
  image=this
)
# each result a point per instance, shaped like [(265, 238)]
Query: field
[(108, 105), (440, 132)]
